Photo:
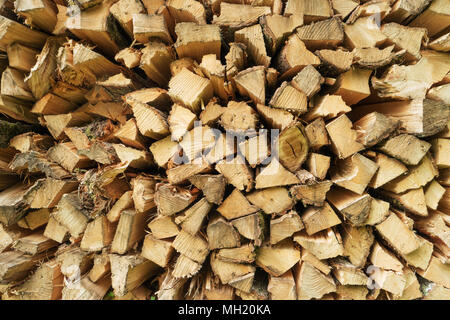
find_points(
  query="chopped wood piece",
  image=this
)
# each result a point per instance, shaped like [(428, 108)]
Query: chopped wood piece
[(143, 193), (420, 258), (15, 266), (151, 122), (279, 258), (412, 201), (325, 34), (129, 272), (316, 263), (237, 173), (379, 210), (248, 15), (354, 173), (158, 251), (311, 283), (124, 12), (195, 41), (34, 219), (276, 28), (282, 287), (192, 219), (212, 113), (288, 98), (52, 104), (433, 194), (46, 283), (235, 206), (236, 59), (98, 235), (71, 215), (435, 18), (285, 226), (389, 281), (412, 81), (316, 134), (440, 44), (374, 127), (13, 85), (253, 38), (252, 83), (56, 231), (164, 150), (293, 147), (405, 38), (193, 247), (187, 11), (255, 150), (308, 80), (237, 275), (196, 141), (185, 267), (334, 62), (199, 90), (328, 106), (13, 31), (65, 154), (311, 193), (129, 57), (185, 171), (155, 61), (180, 121), (436, 272), (354, 207), (347, 274), (383, 258), (170, 199), (343, 137), (404, 11), (440, 149), (275, 118), (97, 25), (323, 245), (388, 169), (212, 186), (364, 33), (397, 234), (310, 9), (244, 254), (101, 267), (271, 200), (417, 176), (274, 175), (353, 85), (215, 71), (290, 62), (13, 204), (251, 227), (406, 148), (21, 57), (357, 242), (46, 193), (318, 165), (146, 27), (34, 244), (163, 227), (221, 234), (318, 219)]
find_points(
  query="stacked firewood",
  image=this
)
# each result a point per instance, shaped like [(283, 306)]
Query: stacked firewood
[(225, 149)]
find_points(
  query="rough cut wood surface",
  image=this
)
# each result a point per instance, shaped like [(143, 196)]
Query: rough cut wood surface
[(224, 149)]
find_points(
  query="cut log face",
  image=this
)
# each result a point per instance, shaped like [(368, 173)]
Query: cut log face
[(224, 149)]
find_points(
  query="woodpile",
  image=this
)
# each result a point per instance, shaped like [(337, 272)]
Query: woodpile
[(224, 149)]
